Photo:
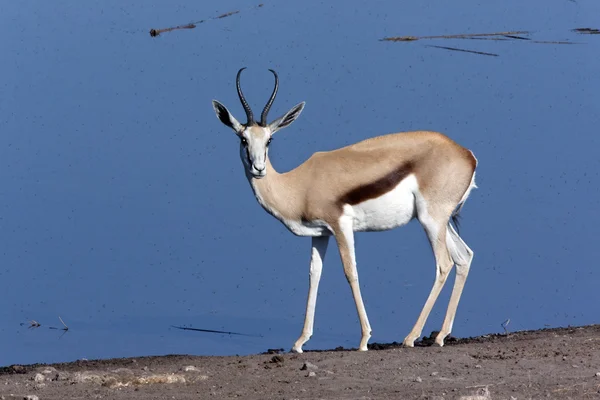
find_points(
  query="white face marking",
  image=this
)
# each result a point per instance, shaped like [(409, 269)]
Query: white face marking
[(393, 209), (254, 148)]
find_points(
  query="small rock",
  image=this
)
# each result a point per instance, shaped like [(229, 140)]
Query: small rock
[(190, 368), (49, 371), (418, 379), (598, 374), (513, 398), (309, 366), (85, 377), (434, 373), (312, 373), (31, 397), (17, 369), (145, 368), (277, 359), (329, 372), (62, 376), (477, 366), (39, 378), (123, 372)]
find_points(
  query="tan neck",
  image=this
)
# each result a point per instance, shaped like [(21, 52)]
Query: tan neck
[(275, 194)]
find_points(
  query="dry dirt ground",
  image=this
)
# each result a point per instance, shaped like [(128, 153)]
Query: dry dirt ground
[(562, 363)]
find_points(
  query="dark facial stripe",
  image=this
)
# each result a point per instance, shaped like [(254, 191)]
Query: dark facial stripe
[(377, 188)]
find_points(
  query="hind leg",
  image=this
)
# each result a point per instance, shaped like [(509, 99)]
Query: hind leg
[(434, 224), (462, 256)]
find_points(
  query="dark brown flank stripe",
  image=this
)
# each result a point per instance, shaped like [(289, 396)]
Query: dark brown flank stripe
[(377, 188)]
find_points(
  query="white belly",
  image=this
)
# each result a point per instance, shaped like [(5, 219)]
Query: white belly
[(308, 228), (391, 210)]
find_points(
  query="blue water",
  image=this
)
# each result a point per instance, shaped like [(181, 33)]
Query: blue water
[(124, 208)]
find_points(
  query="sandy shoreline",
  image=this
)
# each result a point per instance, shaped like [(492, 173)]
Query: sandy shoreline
[(559, 363)]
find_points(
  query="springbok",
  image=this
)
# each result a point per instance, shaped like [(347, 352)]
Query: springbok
[(374, 185)]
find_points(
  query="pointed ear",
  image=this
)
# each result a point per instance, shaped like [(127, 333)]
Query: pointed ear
[(287, 119), (226, 118)]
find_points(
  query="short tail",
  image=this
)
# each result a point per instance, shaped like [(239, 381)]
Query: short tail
[(456, 214), (456, 220)]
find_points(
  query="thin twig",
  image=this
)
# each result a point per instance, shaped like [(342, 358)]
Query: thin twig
[(66, 328), (516, 37), (192, 25), (213, 331), (34, 324), (504, 325), (554, 42), (464, 50), (588, 31), (499, 39), (457, 36)]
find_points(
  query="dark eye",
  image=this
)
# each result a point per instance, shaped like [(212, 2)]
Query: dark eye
[(269, 141), (244, 142)]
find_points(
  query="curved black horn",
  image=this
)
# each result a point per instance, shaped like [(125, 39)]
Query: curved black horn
[(263, 116), (249, 115)]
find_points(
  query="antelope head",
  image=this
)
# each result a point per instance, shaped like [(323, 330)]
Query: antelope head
[(255, 137)]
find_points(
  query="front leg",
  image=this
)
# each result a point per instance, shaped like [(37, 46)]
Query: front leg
[(319, 247)]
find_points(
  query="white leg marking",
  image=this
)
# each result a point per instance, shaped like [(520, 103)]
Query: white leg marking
[(462, 256), (437, 239), (319, 248), (345, 239)]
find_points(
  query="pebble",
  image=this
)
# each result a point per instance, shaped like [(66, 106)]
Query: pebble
[(62, 376), (277, 359), (190, 368), (309, 366), (434, 373), (418, 379), (598, 374), (49, 371), (39, 378), (31, 397), (312, 373)]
